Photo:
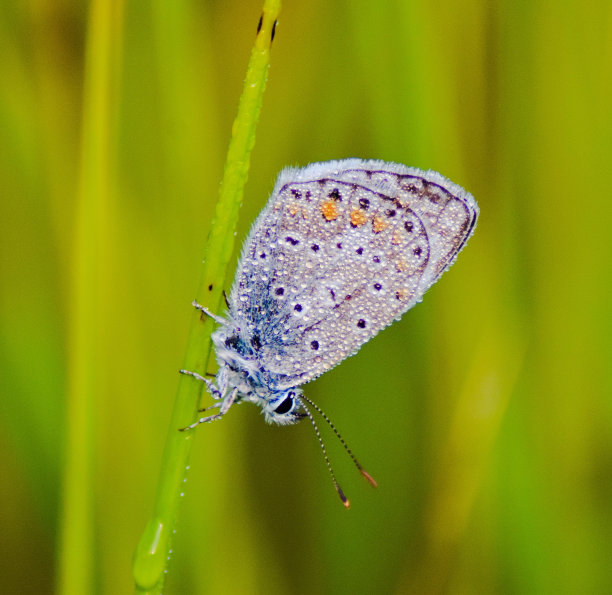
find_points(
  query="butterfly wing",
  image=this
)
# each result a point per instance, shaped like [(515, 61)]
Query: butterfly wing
[(341, 250)]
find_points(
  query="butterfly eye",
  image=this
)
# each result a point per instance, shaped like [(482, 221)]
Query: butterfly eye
[(285, 405)]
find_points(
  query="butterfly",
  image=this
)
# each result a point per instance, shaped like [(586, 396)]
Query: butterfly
[(340, 251)]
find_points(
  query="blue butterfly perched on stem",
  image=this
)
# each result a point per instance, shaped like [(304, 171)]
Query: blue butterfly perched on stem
[(341, 250)]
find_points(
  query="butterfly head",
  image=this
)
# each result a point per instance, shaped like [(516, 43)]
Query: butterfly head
[(283, 407)]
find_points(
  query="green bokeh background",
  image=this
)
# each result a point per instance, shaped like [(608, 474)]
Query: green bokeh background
[(485, 414)]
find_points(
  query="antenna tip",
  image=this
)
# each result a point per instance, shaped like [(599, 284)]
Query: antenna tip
[(345, 500), (370, 479)]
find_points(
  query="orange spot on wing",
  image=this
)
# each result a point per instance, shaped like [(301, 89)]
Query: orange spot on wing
[(401, 265), (379, 224), (358, 218), (329, 210)]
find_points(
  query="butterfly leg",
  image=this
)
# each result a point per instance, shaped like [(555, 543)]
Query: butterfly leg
[(210, 385), (223, 409), (208, 313)]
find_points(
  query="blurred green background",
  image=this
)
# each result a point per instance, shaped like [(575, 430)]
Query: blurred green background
[(485, 414)]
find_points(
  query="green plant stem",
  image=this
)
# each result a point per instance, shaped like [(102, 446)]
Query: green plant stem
[(89, 267), (152, 553)]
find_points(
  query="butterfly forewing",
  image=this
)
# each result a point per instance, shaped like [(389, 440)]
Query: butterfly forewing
[(340, 251)]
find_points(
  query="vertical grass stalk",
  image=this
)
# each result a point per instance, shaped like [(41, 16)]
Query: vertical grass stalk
[(152, 553)]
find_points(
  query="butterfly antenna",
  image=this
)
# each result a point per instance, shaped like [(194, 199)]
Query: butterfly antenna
[(344, 499), (363, 472)]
